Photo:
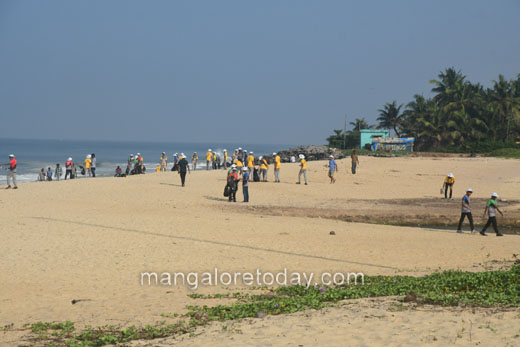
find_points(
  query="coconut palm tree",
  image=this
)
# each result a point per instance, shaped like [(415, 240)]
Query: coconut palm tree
[(390, 117)]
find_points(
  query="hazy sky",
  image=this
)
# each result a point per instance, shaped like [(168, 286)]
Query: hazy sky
[(234, 71)]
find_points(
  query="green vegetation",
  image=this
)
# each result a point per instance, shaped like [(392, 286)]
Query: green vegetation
[(490, 288), (460, 117)]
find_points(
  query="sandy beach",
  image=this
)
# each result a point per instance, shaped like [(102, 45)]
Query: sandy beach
[(90, 239)]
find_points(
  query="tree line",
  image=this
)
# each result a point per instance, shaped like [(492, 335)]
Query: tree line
[(460, 116)]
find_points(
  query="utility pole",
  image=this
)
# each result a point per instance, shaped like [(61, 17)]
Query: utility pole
[(345, 133)]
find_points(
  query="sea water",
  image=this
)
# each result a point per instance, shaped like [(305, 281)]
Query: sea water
[(33, 155)]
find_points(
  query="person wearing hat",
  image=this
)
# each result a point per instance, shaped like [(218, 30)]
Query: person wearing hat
[(250, 163), (264, 166), (163, 161), (11, 171), (69, 168), (245, 183), (194, 160), (333, 167), (466, 212), (88, 162), (130, 164), (449, 182), (277, 166), (183, 167), (303, 169), (491, 209), (232, 182)]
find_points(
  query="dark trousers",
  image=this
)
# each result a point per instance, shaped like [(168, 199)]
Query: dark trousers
[(354, 165), (183, 177), (470, 218), (245, 190), (491, 220), (93, 169), (68, 173), (446, 190)]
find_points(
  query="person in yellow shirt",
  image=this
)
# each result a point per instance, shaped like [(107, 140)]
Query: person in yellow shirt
[(239, 164), (303, 169), (214, 161), (194, 160), (251, 164), (225, 158), (88, 163), (264, 166), (449, 182), (163, 162), (209, 155), (277, 166)]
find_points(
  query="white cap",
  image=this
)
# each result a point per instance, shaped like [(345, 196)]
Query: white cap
[(131, 155), (11, 155), (331, 156), (469, 190), (176, 153), (239, 148), (233, 165), (450, 175), (301, 156), (89, 156), (244, 168), (138, 153), (495, 195), (225, 150), (163, 152), (251, 153), (183, 156), (69, 159), (194, 152), (209, 150), (260, 157), (274, 153)]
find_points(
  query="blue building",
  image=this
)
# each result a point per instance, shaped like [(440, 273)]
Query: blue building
[(368, 136)]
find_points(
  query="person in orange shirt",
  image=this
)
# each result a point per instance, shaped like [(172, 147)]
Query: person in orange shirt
[(277, 166), (303, 169)]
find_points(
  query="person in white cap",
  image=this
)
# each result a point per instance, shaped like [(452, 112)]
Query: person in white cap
[(209, 157), (303, 169), (69, 168), (232, 181), (449, 182), (491, 209), (277, 167), (466, 211), (225, 158), (11, 171), (250, 163), (163, 161), (88, 162), (245, 183), (333, 167), (264, 166), (183, 166)]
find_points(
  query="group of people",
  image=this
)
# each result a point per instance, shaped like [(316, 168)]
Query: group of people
[(490, 209), (71, 171), (135, 165)]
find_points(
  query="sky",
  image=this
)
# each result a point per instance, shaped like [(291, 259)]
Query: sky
[(281, 72)]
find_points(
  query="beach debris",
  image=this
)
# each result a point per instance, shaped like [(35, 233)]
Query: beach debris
[(199, 315), (75, 301), (332, 232), (261, 314), (410, 297)]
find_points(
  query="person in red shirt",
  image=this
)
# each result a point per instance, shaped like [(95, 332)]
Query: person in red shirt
[(11, 172), (232, 181)]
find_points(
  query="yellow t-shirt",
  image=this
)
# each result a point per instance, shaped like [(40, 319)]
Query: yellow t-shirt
[(225, 156), (87, 163), (449, 180), (250, 161), (195, 157), (304, 164), (264, 164), (277, 162), (238, 163), (208, 156)]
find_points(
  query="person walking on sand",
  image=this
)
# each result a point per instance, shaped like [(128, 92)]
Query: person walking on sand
[(303, 169), (183, 167), (355, 161), (11, 172), (88, 162), (449, 182), (491, 209), (333, 167), (466, 212), (194, 160), (163, 162), (245, 183), (93, 164), (69, 167), (57, 172), (277, 166), (264, 166), (225, 158)]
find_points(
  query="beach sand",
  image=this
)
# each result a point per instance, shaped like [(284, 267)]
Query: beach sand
[(90, 239)]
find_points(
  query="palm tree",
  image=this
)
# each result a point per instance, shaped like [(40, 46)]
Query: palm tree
[(503, 103), (390, 117), (359, 123)]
